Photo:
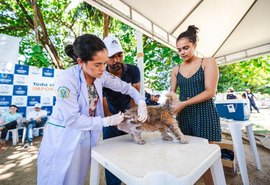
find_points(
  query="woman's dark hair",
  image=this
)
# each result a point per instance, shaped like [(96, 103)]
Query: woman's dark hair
[(85, 47), (15, 107), (190, 34)]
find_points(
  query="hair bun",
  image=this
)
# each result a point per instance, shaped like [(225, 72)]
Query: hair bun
[(193, 29), (69, 50)]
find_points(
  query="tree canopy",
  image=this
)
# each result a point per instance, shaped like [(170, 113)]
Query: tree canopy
[(47, 26)]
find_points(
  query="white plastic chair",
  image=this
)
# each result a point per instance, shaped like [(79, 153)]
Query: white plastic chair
[(15, 135)]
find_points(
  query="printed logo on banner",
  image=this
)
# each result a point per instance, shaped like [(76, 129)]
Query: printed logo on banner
[(3, 110), (22, 111), (46, 101), (21, 69), (5, 101), (19, 79), (20, 90), (32, 100), (34, 70), (48, 72), (6, 78), (6, 67), (6, 89), (19, 100), (48, 109)]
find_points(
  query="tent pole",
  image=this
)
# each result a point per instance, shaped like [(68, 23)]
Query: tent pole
[(140, 59)]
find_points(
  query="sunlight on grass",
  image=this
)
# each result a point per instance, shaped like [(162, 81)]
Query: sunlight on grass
[(6, 175), (27, 160)]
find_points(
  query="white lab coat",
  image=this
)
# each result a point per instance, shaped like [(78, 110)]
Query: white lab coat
[(70, 118)]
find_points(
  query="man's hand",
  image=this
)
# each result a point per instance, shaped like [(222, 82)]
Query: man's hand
[(38, 119)]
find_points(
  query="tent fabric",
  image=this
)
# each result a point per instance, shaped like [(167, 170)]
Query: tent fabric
[(9, 49), (230, 30)]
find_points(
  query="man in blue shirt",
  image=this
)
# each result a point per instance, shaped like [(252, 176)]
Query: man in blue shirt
[(153, 100), (113, 102)]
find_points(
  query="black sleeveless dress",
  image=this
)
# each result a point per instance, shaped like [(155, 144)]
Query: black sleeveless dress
[(200, 119)]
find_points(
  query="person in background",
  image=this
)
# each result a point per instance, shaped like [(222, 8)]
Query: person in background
[(78, 117), (34, 119), (231, 94), (153, 99), (8, 121), (252, 103), (147, 95), (197, 79), (114, 101)]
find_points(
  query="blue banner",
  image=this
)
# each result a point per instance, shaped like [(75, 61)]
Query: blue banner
[(32, 100), (48, 72), (21, 69), (20, 90), (5, 101), (22, 111), (6, 78)]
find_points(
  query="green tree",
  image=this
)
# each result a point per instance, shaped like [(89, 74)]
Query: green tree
[(253, 74)]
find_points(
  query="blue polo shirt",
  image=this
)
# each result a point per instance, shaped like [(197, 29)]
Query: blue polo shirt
[(116, 100)]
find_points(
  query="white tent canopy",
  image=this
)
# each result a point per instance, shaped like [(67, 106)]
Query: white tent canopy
[(230, 30)]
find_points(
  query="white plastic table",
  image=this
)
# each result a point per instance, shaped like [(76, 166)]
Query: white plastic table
[(235, 129), (157, 162)]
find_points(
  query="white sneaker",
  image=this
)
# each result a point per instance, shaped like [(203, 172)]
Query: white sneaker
[(26, 145)]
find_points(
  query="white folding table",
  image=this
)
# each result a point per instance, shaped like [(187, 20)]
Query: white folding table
[(235, 129), (157, 162)]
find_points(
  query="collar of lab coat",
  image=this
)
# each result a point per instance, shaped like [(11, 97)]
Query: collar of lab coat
[(84, 91)]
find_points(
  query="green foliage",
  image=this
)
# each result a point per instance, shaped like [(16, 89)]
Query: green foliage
[(253, 74), (37, 57)]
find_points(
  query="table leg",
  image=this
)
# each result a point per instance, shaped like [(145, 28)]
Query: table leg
[(253, 146), (218, 173), (239, 150), (95, 172)]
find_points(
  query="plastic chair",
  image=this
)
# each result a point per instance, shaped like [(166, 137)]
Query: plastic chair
[(15, 135)]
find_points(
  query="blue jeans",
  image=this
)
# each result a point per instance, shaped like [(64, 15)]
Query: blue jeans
[(31, 125)]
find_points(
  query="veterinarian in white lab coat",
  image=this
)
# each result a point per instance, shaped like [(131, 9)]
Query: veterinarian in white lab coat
[(77, 119)]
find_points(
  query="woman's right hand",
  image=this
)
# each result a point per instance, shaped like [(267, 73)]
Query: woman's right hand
[(177, 107), (113, 120)]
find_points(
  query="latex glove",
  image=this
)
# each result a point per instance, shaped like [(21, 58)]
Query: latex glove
[(142, 111), (113, 120)]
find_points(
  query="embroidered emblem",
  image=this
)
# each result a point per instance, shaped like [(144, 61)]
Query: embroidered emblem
[(63, 92)]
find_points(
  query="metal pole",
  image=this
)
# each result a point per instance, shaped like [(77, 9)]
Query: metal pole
[(140, 59)]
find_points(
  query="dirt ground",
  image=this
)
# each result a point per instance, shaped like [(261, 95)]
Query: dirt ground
[(18, 164)]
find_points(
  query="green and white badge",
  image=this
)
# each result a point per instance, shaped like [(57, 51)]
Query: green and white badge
[(63, 92)]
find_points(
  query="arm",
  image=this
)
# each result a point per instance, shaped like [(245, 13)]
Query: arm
[(211, 79), (19, 119), (67, 110), (2, 120), (136, 86), (116, 84), (106, 107), (173, 86)]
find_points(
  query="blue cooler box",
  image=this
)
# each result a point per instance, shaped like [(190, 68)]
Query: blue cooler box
[(237, 109)]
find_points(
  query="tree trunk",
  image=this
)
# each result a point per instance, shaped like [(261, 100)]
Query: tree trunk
[(43, 36), (106, 25), (34, 4)]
